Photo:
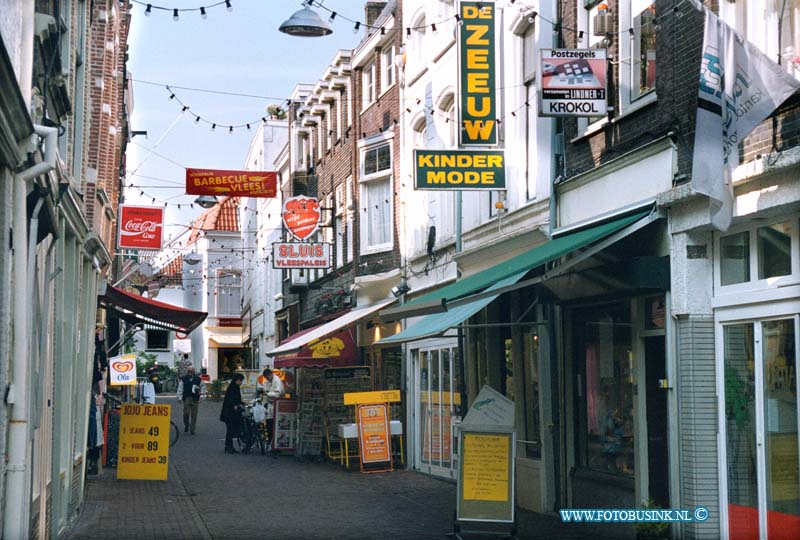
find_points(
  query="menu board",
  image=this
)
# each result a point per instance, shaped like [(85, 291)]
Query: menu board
[(144, 442), (285, 424), (373, 433), (485, 480)]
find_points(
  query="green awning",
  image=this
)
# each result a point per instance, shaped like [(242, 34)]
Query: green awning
[(476, 287), (438, 323), (538, 256)]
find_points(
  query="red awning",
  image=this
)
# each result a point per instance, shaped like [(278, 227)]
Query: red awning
[(338, 350), (138, 309)]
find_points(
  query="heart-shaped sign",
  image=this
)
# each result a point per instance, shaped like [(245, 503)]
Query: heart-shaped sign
[(123, 367), (301, 216)]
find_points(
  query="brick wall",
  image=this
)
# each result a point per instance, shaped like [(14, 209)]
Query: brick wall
[(382, 115), (105, 88), (678, 45), (678, 48)]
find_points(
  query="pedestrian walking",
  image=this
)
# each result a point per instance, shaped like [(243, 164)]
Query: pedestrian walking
[(184, 365), (231, 412), (272, 388), (189, 394)]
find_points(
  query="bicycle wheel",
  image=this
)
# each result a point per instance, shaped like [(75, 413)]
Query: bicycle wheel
[(262, 443), (174, 434)]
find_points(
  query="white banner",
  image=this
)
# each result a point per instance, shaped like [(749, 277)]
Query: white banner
[(739, 88)]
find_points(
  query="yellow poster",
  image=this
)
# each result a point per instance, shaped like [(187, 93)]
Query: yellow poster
[(486, 474), (143, 442)]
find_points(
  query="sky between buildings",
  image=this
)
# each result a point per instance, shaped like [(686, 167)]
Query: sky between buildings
[(240, 51)]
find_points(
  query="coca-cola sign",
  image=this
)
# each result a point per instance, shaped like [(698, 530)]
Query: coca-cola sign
[(140, 227)]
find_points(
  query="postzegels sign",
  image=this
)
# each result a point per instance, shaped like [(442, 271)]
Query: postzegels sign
[(573, 82), (478, 107), (233, 183), (140, 227), (459, 169), (301, 255)]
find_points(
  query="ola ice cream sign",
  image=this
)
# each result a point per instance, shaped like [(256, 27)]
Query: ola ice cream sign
[(122, 369)]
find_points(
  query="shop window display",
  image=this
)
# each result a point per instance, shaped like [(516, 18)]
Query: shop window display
[(607, 366)]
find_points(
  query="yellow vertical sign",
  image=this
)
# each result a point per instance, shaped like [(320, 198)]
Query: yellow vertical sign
[(143, 442), (486, 466)]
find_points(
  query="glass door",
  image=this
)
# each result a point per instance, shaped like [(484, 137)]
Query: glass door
[(761, 424), (435, 406)]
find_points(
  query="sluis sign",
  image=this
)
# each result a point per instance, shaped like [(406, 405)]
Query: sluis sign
[(459, 169), (478, 108)]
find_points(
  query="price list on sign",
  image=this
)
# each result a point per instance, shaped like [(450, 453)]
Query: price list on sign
[(144, 442)]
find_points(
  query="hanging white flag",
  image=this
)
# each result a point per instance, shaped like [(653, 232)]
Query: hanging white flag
[(739, 88)]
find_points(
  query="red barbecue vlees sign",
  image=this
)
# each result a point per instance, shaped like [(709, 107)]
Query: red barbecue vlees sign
[(140, 227), (234, 183), (301, 216)]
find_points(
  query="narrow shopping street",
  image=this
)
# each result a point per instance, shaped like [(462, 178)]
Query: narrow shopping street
[(212, 495)]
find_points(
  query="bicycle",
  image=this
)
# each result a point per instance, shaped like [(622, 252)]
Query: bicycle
[(251, 433)]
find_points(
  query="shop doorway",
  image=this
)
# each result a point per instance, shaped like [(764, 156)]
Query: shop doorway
[(657, 420), (761, 490), (437, 405), (230, 359)]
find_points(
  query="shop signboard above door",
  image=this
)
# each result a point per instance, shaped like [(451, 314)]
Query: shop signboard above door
[(232, 183), (295, 255), (476, 47), (140, 227), (573, 82), (301, 216), (459, 169)]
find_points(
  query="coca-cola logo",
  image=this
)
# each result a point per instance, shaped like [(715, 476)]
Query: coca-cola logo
[(135, 228), (141, 227)]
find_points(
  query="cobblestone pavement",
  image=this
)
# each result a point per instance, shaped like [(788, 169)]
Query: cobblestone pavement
[(212, 495)]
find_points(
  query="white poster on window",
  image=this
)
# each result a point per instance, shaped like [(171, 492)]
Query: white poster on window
[(739, 88), (572, 82)]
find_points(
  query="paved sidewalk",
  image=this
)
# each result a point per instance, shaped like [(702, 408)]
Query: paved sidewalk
[(212, 495)]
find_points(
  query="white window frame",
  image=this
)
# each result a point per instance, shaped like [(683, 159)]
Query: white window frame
[(627, 105), (755, 284), (388, 68), (339, 101), (219, 274), (349, 222), (418, 131), (339, 220), (367, 86), (364, 180)]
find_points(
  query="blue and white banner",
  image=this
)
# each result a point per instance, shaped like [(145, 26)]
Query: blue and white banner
[(739, 88)]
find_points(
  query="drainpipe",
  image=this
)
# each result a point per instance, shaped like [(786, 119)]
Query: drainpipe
[(26, 50), (17, 496)]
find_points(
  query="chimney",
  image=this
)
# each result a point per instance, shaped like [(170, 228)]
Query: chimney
[(371, 12)]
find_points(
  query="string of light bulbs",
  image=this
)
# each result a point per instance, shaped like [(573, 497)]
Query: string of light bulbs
[(149, 8)]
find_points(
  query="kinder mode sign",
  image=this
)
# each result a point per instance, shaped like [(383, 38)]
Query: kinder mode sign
[(234, 183), (140, 227), (477, 62), (459, 169)]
